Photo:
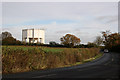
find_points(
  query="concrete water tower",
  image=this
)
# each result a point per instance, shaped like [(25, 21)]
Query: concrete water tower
[(33, 36)]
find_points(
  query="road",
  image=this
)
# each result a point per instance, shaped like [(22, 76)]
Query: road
[(106, 66)]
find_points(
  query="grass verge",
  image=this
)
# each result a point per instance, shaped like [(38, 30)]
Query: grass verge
[(85, 61)]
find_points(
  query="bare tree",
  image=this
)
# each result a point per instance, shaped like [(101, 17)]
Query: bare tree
[(98, 41)]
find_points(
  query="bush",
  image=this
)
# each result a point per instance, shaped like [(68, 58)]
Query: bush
[(10, 41), (22, 58)]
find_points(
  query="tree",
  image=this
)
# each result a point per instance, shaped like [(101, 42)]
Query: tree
[(10, 41), (6, 34), (105, 35), (52, 43), (111, 41), (114, 39), (70, 40), (90, 44), (98, 41), (7, 39), (114, 42)]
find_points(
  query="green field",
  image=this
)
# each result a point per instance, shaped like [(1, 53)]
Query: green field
[(27, 58), (46, 49)]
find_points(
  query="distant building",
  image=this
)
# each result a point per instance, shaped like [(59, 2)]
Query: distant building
[(33, 36)]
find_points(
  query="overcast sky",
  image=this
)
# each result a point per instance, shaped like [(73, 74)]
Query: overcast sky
[(84, 19)]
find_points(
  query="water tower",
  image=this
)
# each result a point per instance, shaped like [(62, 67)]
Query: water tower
[(33, 36)]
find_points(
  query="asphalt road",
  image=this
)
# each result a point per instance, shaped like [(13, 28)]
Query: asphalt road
[(106, 66)]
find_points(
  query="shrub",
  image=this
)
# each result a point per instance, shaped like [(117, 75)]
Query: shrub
[(22, 58)]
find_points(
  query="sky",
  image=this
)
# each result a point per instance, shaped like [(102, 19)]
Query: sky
[(85, 20)]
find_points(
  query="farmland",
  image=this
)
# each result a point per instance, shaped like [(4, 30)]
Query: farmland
[(28, 58)]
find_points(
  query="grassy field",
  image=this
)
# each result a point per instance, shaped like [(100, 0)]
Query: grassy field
[(27, 58)]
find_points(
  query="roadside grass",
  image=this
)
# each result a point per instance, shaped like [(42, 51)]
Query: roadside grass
[(93, 58), (27, 58), (85, 61)]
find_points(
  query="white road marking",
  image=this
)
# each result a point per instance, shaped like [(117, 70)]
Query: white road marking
[(44, 76)]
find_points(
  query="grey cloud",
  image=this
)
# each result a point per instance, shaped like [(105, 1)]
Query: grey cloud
[(23, 12), (82, 13), (112, 20), (63, 31), (108, 19), (80, 31)]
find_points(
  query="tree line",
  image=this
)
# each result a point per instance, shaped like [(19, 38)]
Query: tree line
[(110, 41)]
